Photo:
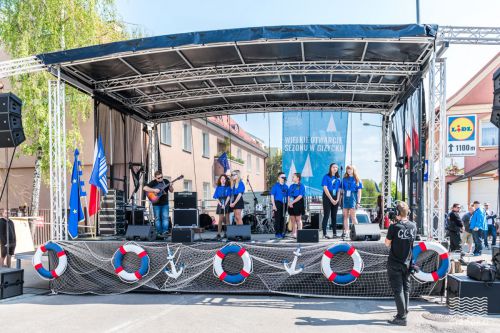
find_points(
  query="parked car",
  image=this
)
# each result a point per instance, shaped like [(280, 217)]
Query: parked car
[(361, 215)]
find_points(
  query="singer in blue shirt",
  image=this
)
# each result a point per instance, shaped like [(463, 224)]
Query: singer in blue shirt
[(237, 190), (279, 195), (331, 198), (222, 195), (296, 208), (351, 194)]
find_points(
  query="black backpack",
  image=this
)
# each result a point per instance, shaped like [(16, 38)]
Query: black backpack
[(480, 271)]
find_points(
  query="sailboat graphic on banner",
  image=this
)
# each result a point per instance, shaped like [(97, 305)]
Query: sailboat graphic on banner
[(331, 125), (290, 174), (307, 171)]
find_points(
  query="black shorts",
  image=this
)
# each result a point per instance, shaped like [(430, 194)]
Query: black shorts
[(220, 210), (298, 208), (3, 250)]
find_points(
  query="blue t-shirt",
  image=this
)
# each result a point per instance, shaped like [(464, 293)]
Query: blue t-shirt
[(279, 192), (222, 191), (332, 183), (349, 184), (237, 190), (295, 190)]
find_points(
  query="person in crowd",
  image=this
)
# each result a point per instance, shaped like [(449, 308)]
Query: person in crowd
[(222, 194), (237, 189), (296, 207), (162, 186), (455, 227), (467, 234), (380, 212), (491, 229), (331, 198), (351, 194), (279, 195), (400, 238), (478, 226), (7, 239)]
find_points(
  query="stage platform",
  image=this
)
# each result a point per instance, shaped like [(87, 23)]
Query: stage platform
[(91, 271)]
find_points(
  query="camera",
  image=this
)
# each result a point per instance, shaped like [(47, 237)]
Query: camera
[(392, 213)]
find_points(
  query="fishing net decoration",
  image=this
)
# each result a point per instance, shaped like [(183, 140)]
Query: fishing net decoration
[(90, 270)]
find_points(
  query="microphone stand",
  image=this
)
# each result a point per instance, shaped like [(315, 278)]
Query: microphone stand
[(255, 200)]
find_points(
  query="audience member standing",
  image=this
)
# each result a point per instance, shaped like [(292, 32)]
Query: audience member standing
[(478, 226), (490, 227), (455, 226), (467, 234)]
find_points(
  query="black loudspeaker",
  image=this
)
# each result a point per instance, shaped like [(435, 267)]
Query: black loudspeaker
[(495, 113), (185, 200), (238, 232), (314, 221), (365, 231), (182, 235), (186, 217), (137, 217), (11, 126), (141, 233), (462, 286), (308, 235), (11, 282)]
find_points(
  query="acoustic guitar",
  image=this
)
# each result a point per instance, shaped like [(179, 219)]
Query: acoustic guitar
[(154, 197)]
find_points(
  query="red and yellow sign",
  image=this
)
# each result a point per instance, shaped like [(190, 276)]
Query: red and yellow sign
[(461, 128)]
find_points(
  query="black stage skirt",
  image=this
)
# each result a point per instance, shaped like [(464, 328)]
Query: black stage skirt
[(240, 204), (298, 208), (220, 210)]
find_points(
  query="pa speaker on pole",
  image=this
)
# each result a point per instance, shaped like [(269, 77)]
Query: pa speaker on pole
[(11, 126)]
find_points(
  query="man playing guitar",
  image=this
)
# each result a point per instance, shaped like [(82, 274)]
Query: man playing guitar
[(160, 187)]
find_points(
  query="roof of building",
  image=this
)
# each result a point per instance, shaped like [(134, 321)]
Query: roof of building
[(234, 129), (479, 89)]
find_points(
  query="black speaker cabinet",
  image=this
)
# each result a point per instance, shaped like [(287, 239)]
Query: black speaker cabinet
[(314, 221), (238, 232), (11, 282), (365, 231), (186, 217), (11, 126), (185, 200), (462, 286), (308, 236), (182, 235), (141, 233)]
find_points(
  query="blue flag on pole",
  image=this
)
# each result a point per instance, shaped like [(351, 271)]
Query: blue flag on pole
[(76, 214), (224, 161)]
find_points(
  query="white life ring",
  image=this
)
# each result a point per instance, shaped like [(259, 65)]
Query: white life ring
[(233, 279), (118, 258), (341, 279), (443, 268), (61, 266)]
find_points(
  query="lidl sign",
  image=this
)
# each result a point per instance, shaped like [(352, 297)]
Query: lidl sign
[(461, 136)]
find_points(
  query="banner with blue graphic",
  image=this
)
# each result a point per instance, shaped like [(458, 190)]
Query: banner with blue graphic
[(311, 141)]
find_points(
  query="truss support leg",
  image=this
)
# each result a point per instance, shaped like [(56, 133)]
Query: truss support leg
[(386, 161), (57, 159), (435, 201)]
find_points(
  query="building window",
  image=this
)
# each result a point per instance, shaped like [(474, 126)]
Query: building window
[(489, 134), (206, 191), (186, 137), (188, 185), (166, 133), (206, 145), (239, 154), (257, 164), (249, 162)]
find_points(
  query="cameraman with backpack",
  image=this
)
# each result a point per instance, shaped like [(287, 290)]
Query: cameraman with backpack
[(400, 238)]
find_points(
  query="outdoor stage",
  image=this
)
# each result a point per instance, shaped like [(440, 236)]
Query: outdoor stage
[(91, 271)]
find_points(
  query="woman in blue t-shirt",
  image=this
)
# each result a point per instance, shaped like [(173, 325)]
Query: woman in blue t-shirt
[(222, 195), (296, 209), (331, 198), (351, 194), (237, 190)]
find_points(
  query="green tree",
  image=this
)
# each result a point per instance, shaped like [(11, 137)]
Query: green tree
[(30, 27), (273, 166), (370, 194)]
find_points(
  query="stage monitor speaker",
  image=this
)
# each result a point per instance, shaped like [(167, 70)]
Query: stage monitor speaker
[(308, 236), (185, 200), (463, 287), (238, 232), (11, 126), (11, 282), (182, 235), (141, 233), (186, 217), (365, 231)]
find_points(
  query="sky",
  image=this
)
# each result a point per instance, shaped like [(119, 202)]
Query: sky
[(159, 17)]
